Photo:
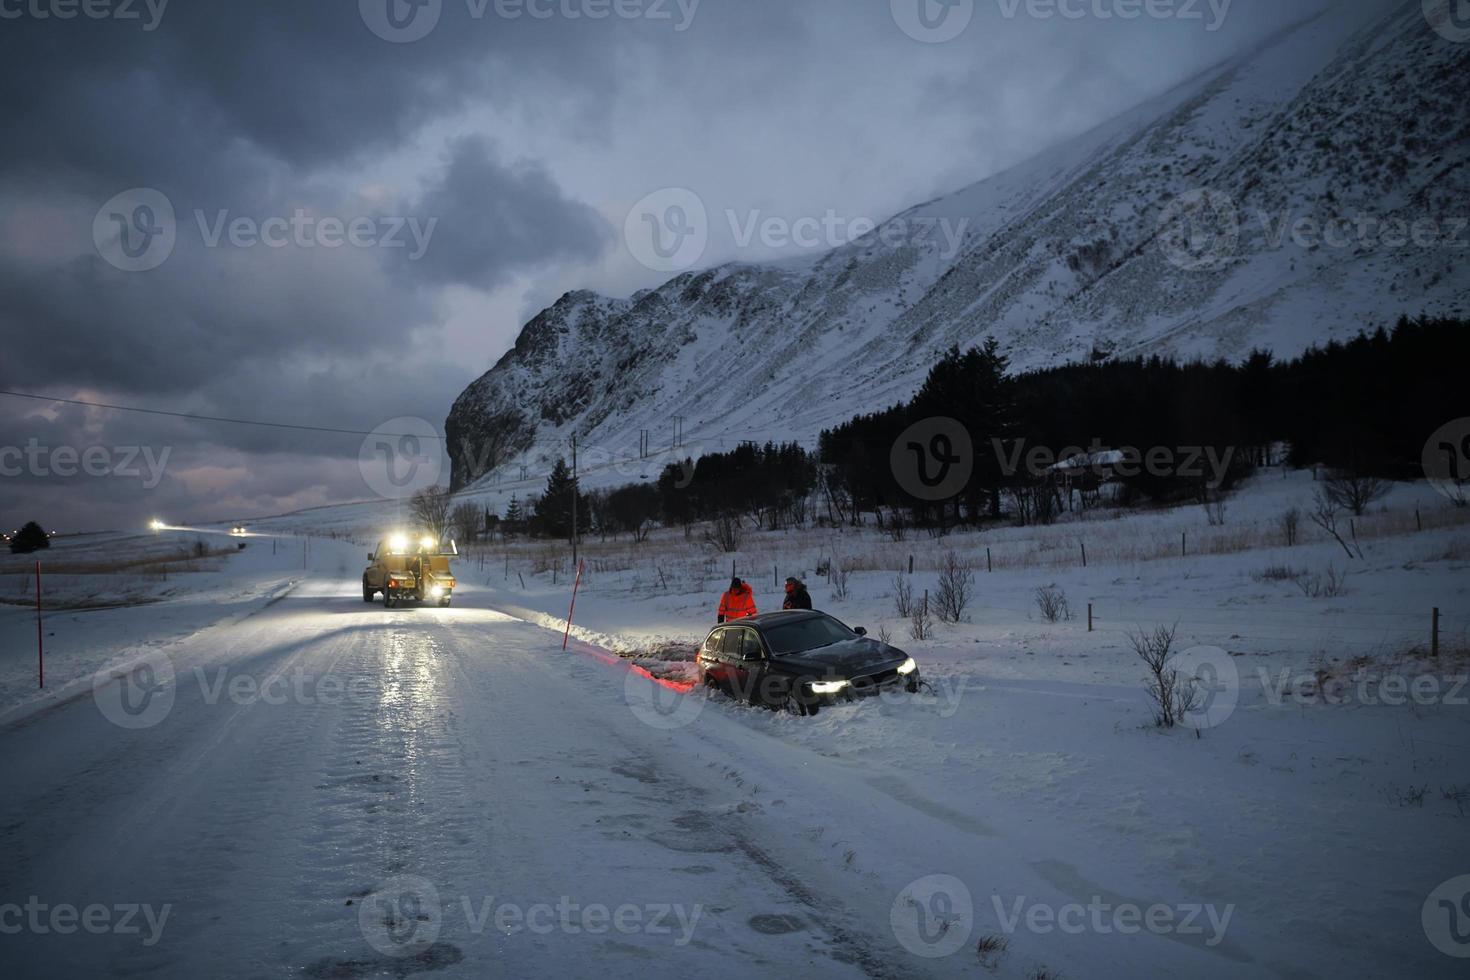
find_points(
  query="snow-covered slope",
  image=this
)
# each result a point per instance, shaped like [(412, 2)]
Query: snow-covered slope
[(1342, 123)]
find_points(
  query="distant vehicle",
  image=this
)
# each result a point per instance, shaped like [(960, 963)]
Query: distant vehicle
[(799, 660), (407, 569), (239, 530)]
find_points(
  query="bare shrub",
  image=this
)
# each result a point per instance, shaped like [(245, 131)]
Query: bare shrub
[(1319, 585), (1354, 491), (1173, 696), (884, 636), (956, 583), (991, 948), (430, 508), (724, 533), (1277, 573), (1324, 515), (1043, 972), (1052, 602), (840, 572), (898, 526), (1406, 795), (1290, 523), (921, 620), (1215, 512), (903, 596)]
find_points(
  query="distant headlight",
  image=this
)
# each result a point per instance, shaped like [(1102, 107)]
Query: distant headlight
[(829, 687), (908, 666)]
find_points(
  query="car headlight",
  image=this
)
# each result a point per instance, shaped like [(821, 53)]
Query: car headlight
[(829, 687), (908, 667)]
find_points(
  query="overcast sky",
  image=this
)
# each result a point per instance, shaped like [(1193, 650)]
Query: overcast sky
[(340, 212)]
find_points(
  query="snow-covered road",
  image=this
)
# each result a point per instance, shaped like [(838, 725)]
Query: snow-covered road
[(338, 790), (325, 788)]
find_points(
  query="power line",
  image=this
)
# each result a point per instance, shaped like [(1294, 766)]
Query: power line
[(214, 418)]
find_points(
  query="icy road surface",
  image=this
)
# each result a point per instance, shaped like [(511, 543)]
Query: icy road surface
[(316, 787), (338, 790)]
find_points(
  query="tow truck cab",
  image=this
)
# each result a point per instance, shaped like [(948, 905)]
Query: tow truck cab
[(410, 569)]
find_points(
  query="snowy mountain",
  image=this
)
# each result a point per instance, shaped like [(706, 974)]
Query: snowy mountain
[(1289, 196)]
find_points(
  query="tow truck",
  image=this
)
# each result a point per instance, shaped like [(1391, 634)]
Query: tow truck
[(409, 569)]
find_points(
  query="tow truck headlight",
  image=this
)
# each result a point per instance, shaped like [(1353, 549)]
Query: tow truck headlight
[(428, 543), (829, 687), (398, 543), (437, 591), (908, 667)]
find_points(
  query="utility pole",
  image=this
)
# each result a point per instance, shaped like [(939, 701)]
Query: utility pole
[(678, 432)]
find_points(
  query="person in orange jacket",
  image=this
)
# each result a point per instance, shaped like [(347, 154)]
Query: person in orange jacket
[(737, 603)]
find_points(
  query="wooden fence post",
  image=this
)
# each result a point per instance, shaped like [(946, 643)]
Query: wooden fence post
[(1434, 634), (1089, 617)]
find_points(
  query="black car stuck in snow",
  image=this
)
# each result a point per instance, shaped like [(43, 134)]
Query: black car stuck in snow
[(800, 660)]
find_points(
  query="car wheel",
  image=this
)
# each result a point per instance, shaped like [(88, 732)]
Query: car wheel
[(797, 704)]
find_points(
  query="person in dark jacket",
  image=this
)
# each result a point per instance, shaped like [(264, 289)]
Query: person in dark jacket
[(797, 597), (737, 603)]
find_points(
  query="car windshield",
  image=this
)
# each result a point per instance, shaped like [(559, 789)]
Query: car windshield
[(805, 634)]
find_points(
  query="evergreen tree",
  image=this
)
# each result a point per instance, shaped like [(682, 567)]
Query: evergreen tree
[(28, 539), (554, 509)]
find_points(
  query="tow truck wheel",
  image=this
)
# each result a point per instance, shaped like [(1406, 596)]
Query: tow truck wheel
[(367, 593), (388, 600), (444, 602)]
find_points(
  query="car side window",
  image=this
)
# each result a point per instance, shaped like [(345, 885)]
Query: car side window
[(712, 642), (730, 643), (750, 645)]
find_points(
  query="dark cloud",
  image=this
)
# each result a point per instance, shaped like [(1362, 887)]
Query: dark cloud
[(492, 219)]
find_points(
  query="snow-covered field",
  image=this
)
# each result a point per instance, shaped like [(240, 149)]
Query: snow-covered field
[(1028, 806)]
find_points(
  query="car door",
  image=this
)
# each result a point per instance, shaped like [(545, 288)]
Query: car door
[(747, 662), (713, 661)]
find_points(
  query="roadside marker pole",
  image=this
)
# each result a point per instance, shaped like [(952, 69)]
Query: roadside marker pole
[(575, 586), (1434, 635), (40, 657)]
